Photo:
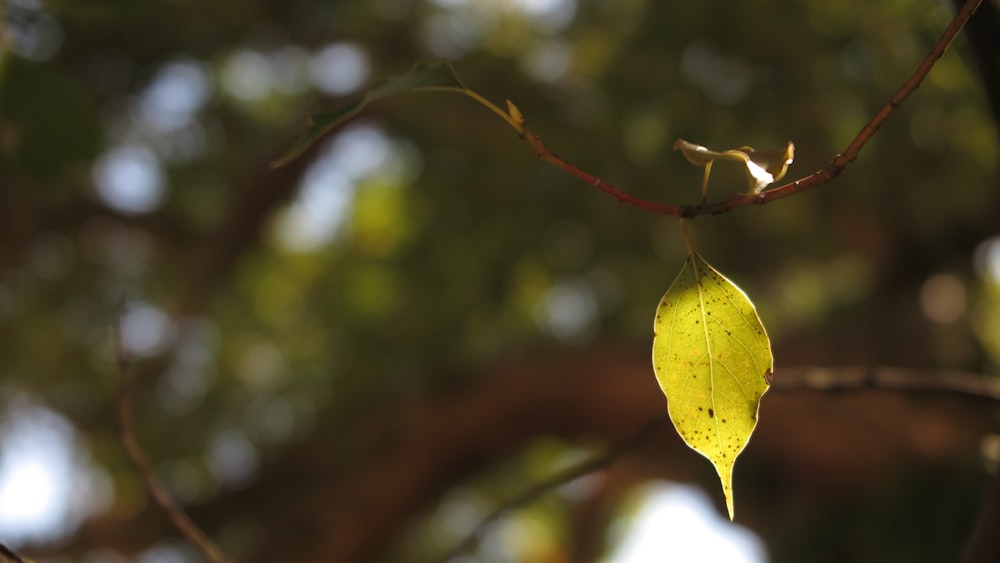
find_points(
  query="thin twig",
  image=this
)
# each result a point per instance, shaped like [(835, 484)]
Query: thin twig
[(817, 178), (547, 155), (156, 490), (563, 477)]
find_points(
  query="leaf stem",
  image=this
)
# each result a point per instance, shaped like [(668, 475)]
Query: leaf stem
[(687, 238), (704, 182)]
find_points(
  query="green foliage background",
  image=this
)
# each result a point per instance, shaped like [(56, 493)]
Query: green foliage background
[(461, 251)]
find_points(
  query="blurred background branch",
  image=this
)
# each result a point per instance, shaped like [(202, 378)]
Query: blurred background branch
[(130, 443), (408, 452)]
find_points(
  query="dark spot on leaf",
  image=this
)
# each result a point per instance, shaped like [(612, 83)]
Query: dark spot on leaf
[(700, 409), (711, 413)]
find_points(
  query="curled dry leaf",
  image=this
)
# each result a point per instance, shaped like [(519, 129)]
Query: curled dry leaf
[(763, 168)]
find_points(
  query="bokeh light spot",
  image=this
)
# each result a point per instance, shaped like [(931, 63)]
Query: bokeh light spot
[(129, 179), (943, 298), (680, 521), (247, 75), (339, 69)]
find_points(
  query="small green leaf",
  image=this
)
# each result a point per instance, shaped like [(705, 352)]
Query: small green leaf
[(713, 361), (424, 76)]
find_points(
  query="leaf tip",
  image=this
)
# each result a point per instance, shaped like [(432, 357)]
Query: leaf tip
[(727, 491)]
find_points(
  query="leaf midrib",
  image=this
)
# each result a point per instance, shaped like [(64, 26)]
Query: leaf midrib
[(696, 269)]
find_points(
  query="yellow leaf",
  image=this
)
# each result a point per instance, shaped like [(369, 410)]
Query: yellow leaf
[(712, 358)]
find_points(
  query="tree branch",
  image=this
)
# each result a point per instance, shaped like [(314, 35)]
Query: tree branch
[(888, 378), (134, 452), (817, 178), (323, 503), (797, 379)]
